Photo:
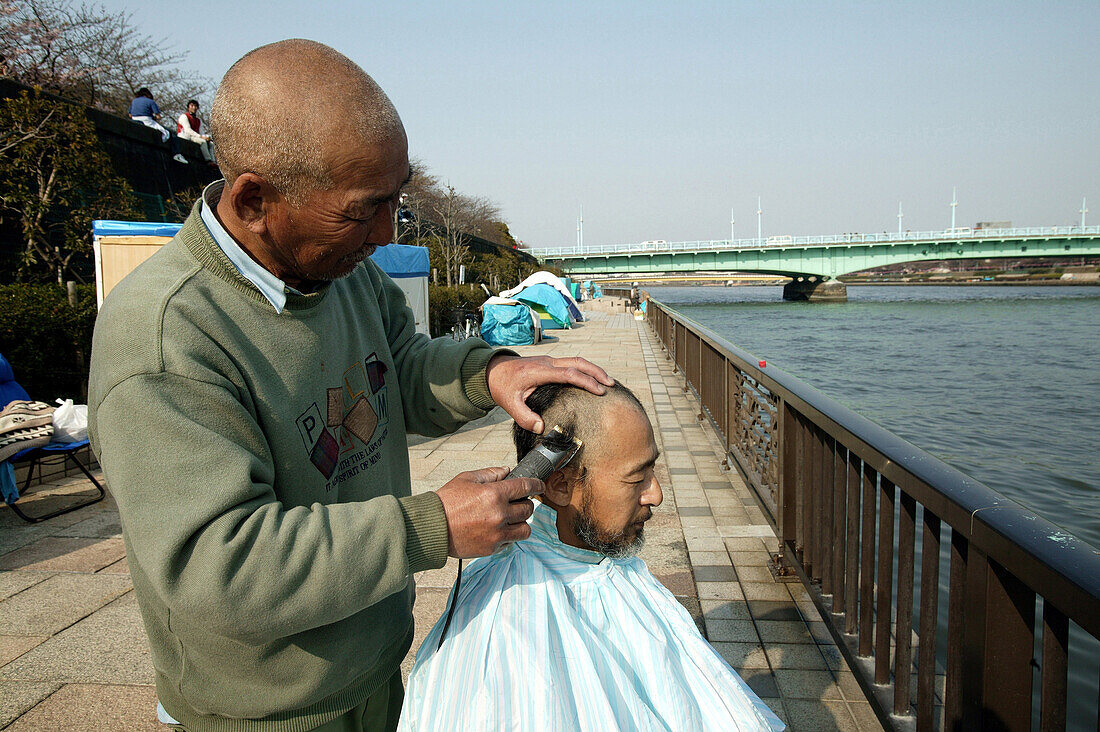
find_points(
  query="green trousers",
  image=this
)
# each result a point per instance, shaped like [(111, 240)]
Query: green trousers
[(380, 712)]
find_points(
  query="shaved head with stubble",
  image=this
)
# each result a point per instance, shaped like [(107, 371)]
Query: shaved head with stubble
[(605, 495), (281, 105), (314, 156)]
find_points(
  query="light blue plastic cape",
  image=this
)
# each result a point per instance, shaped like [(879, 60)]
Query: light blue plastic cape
[(549, 299), (507, 325), (547, 636)]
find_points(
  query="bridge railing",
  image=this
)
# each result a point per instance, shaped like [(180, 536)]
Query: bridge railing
[(779, 242), (867, 520)]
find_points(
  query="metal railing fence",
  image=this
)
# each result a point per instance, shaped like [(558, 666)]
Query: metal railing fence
[(781, 242), (837, 487)]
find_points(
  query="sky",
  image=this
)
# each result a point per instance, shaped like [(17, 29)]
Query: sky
[(659, 119)]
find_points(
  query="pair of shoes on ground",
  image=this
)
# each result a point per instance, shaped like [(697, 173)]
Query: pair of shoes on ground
[(179, 158)]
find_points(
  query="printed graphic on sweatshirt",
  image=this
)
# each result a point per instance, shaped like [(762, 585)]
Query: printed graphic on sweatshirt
[(344, 440)]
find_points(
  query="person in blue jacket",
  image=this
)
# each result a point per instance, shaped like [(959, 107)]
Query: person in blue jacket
[(144, 109)]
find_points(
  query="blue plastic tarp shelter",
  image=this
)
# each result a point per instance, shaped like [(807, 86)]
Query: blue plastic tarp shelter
[(402, 260), (549, 280), (507, 324), (550, 301)]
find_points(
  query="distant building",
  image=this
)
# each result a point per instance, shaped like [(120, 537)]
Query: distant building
[(992, 225)]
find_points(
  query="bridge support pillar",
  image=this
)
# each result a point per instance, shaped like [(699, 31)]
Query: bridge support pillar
[(814, 289)]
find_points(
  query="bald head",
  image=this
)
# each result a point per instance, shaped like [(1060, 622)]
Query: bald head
[(580, 413), (282, 108)]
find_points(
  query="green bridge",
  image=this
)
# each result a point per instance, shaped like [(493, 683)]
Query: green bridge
[(814, 262)]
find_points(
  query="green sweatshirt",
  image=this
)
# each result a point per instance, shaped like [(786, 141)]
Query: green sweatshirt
[(261, 472)]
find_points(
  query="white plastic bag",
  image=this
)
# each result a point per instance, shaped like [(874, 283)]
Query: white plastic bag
[(70, 421)]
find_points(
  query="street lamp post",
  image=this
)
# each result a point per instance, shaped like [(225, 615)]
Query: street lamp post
[(1084, 210), (954, 203), (580, 231), (900, 216), (759, 221), (731, 226)]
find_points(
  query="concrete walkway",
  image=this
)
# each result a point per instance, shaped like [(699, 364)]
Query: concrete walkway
[(72, 647)]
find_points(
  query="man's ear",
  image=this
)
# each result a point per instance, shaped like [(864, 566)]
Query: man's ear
[(249, 198), (559, 489)]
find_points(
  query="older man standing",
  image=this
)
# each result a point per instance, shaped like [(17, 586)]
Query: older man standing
[(251, 387)]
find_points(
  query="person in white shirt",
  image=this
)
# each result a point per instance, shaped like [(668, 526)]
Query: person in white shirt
[(568, 630), (189, 126)]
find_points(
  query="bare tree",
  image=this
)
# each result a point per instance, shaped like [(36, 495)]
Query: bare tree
[(418, 205), (460, 217), (91, 55), (452, 244)]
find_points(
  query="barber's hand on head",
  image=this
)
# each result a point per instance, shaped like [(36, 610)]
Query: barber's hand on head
[(512, 379), (484, 510)]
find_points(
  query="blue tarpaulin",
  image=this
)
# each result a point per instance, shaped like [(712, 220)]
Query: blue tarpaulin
[(507, 325), (402, 260), (550, 300), (133, 228), (549, 280)]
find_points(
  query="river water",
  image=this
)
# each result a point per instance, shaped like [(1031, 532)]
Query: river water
[(1001, 382)]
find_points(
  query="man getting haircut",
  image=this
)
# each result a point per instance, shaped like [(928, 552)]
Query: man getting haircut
[(568, 630)]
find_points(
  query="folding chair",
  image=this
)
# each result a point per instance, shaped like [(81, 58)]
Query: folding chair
[(10, 390)]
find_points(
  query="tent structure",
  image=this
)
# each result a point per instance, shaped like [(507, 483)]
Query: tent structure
[(120, 246), (547, 303), (545, 300), (507, 322), (573, 287), (408, 267)]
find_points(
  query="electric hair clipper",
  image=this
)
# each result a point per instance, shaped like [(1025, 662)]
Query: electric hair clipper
[(553, 451)]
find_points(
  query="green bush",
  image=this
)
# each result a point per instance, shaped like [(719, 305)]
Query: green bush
[(442, 300), (46, 340)]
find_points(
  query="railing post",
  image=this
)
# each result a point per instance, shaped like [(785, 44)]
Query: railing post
[(801, 447), (903, 635), (813, 503), (825, 527), (1008, 653), (840, 473), (727, 439), (956, 686), (884, 596), (851, 551), (788, 456), (929, 602), (1055, 642), (867, 563), (973, 637)]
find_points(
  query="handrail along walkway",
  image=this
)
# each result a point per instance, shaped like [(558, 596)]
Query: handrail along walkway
[(836, 485)]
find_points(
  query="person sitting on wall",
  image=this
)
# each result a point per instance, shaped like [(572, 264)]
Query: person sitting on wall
[(189, 126), (568, 629), (144, 109)]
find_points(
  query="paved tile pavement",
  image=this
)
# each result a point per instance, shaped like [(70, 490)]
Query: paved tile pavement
[(72, 649)]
